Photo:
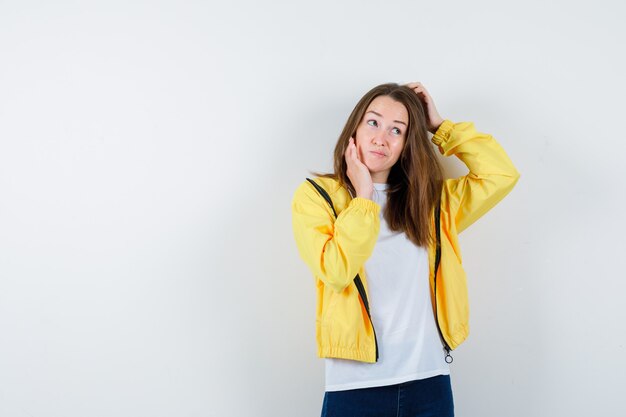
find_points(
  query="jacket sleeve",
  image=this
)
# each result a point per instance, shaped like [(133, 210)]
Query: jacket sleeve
[(491, 173), (334, 249)]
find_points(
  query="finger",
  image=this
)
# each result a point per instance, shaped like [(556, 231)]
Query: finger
[(421, 91), (357, 154), (349, 151), (424, 95), (354, 154)]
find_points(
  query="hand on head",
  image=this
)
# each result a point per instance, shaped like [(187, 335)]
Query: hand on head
[(433, 118)]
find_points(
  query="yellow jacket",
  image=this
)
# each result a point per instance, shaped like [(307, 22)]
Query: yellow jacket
[(335, 249)]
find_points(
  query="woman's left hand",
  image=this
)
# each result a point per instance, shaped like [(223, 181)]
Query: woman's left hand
[(434, 120)]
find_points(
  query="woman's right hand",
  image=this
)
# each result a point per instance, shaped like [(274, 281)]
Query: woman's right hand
[(358, 173)]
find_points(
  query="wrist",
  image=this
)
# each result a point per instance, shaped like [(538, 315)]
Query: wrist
[(436, 125)]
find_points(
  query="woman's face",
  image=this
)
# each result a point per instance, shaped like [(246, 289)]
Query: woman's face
[(380, 136)]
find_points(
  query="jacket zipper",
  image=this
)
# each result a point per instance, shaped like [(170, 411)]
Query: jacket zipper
[(361, 289), (448, 357), (357, 279)]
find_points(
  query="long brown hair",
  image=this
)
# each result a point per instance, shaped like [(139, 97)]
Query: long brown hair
[(415, 181)]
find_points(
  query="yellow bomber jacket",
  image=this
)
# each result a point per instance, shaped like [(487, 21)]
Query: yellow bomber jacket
[(335, 249)]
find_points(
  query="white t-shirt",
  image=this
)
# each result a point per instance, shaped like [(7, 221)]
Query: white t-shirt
[(409, 344)]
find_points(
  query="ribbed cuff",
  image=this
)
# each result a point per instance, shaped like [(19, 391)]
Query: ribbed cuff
[(366, 203), (443, 132)]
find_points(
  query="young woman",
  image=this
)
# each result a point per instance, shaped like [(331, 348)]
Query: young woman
[(380, 236)]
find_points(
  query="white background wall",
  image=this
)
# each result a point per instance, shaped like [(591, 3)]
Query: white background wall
[(148, 156)]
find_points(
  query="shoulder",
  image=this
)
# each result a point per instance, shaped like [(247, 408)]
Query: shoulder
[(306, 190)]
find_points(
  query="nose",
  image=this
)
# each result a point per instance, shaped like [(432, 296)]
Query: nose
[(379, 138)]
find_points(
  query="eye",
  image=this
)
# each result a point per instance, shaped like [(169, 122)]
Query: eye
[(399, 132)]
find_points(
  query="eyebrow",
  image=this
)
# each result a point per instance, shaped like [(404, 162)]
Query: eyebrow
[(380, 115)]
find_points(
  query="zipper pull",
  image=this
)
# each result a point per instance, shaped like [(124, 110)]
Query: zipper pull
[(449, 357)]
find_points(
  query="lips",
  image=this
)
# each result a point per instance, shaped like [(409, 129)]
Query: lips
[(380, 154)]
